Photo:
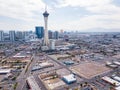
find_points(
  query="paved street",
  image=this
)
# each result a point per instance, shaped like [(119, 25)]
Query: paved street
[(22, 77)]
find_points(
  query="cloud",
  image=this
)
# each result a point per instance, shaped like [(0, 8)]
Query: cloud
[(105, 9), (5, 26), (21, 14), (100, 14), (21, 9), (95, 6), (82, 3), (104, 15), (89, 22)]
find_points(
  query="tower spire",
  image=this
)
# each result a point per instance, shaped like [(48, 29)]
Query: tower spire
[(45, 7)]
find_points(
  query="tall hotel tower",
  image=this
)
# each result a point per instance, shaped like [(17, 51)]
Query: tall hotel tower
[(46, 39)]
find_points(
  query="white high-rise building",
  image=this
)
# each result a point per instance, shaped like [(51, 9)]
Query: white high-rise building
[(1, 36), (46, 39), (52, 44), (12, 35)]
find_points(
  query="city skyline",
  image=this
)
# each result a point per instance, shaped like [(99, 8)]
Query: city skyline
[(84, 16)]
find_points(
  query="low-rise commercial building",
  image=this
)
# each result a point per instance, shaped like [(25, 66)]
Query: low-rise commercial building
[(69, 78), (5, 71), (111, 81), (32, 83)]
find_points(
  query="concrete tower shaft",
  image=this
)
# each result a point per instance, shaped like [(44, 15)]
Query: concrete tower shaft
[(46, 39)]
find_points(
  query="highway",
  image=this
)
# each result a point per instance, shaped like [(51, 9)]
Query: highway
[(24, 74)]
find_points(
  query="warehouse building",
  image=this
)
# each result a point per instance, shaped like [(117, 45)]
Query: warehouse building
[(69, 78)]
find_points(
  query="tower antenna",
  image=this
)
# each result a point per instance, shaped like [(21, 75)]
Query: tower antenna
[(45, 7)]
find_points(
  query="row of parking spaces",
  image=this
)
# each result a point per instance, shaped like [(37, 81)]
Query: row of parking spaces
[(100, 84)]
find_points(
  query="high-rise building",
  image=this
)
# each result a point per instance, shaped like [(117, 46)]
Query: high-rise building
[(39, 30), (25, 34), (46, 39), (56, 35), (19, 35), (1, 36), (52, 44), (6, 37), (50, 34), (66, 38), (12, 35)]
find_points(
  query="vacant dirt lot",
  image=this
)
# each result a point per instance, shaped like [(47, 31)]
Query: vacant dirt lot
[(89, 69)]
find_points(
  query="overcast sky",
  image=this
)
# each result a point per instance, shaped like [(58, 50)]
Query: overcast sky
[(81, 15)]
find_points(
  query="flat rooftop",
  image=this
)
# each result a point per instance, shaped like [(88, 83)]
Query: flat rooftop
[(2, 77), (32, 83), (62, 72), (54, 84), (51, 81), (89, 70), (117, 56)]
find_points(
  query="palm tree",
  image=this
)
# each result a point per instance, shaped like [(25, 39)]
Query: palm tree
[(76, 89), (111, 88), (86, 83), (81, 85)]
